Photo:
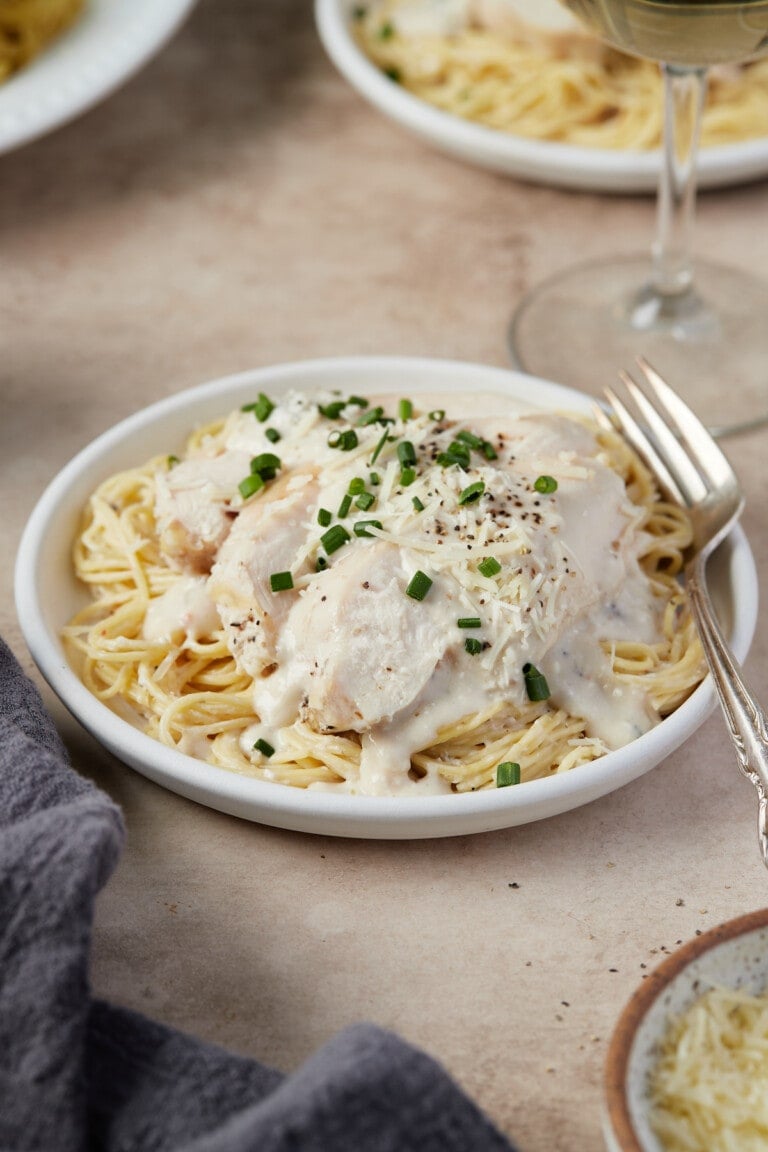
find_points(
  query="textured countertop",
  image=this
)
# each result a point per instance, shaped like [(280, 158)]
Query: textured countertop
[(236, 204)]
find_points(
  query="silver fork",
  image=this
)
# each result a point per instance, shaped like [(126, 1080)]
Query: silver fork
[(692, 470)]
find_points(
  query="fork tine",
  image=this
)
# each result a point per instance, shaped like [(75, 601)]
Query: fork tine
[(699, 440), (602, 419), (642, 445), (687, 477)]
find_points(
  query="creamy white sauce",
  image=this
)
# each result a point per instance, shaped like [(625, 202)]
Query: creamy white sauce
[(185, 609), (386, 748), (194, 744), (347, 650)]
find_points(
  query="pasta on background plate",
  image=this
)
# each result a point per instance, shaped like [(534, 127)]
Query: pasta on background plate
[(28, 26), (388, 596), (530, 69)]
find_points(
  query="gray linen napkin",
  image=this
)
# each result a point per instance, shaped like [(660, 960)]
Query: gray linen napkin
[(79, 1074)]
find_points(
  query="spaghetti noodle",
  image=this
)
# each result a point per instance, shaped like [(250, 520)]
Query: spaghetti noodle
[(361, 610)]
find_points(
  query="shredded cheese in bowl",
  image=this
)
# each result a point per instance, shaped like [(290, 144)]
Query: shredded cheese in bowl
[(28, 26), (710, 1086)]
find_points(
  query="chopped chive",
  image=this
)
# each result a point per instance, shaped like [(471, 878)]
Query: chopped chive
[(345, 441), (321, 564), (335, 538), (250, 485), (386, 31), (365, 500), (406, 453), (507, 773), (489, 451), (374, 479), (407, 477), (172, 461), (333, 410), (545, 484), (359, 12), (356, 486), (362, 526), (419, 586), (261, 408), (437, 414), (535, 683), (472, 492), (473, 646), (344, 507), (489, 567), (470, 438), (394, 74), (265, 465), (405, 409), (281, 581), (372, 416), (358, 401), (323, 517), (272, 435), (469, 622), (379, 446), (418, 505), (263, 747), (456, 453)]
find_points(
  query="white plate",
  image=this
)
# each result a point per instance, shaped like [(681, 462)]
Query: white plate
[(602, 170), (110, 41), (47, 595)]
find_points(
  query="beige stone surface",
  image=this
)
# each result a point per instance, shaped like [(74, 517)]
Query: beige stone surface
[(236, 205)]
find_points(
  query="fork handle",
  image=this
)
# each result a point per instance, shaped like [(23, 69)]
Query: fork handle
[(746, 720)]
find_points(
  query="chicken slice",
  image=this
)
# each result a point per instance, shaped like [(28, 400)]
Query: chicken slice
[(544, 24), (535, 436), (264, 539), (192, 508), (364, 649)]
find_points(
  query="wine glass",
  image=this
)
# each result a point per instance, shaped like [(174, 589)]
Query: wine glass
[(709, 334)]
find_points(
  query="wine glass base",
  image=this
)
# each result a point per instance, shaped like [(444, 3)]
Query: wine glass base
[(710, 343)]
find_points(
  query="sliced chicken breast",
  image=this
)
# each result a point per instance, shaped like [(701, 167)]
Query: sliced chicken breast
[(368, 648), (264, 539), (192, 507)]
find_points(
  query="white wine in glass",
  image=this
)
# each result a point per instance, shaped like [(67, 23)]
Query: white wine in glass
[(707, 332)]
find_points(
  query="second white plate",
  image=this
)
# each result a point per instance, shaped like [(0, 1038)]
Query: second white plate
[(595, 169)]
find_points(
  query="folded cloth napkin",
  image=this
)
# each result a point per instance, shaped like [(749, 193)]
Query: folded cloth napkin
[(79, 1074)]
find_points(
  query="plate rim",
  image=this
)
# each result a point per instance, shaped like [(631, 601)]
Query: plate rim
[(548, 162), (345, 815)]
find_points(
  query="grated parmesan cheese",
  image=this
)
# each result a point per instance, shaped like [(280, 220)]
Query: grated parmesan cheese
[(710, 1086)]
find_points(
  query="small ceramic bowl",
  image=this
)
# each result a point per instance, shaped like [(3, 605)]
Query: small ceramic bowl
[(733, 955)]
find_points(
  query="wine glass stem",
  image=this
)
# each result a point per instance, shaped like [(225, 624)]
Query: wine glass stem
[(684, 93)]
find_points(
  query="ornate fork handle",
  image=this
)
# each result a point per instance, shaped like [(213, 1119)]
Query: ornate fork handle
[(747, 722)]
